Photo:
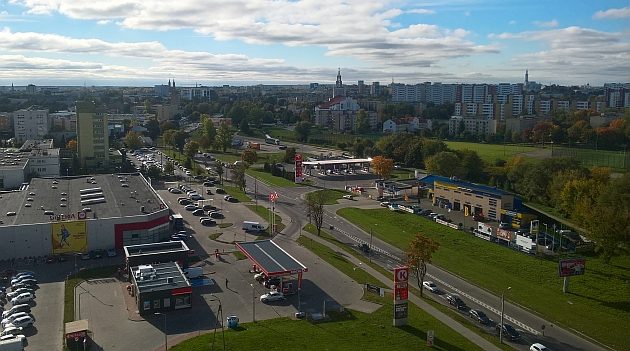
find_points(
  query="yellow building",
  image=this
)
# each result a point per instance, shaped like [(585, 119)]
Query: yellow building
[(92, 136)]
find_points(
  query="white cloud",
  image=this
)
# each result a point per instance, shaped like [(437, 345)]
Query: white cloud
[(421, 11), (103, 22), (365, 30), (579, 53), (512, 22), (546, 24), (622, 13)]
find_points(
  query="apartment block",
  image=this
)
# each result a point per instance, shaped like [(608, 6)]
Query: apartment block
[(92, 135), (30, 123)]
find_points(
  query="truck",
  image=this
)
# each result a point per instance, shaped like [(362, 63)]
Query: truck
[(249, 226), (178, 221), (252, 145), (11, 345), (193, 272)]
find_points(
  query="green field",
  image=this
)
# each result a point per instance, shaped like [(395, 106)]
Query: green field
[(270, 179), (330, 195), (597, 304), (491, 152), (237, 193), (618, 160)]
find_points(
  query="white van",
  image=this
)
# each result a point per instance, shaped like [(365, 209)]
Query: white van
[(252, 226)]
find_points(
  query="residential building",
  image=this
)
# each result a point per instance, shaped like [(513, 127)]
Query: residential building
[(197, 92), (64, 120), (406, 124), (30, 123), (92, 135), (43, 158), (165, 112), (472, 125)]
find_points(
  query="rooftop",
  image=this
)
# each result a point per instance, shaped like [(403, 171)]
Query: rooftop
[(103, 194), (12, 159), (432, 178), (31, 144), (155, 248), (345, 161), (271, 258), (159, 276)]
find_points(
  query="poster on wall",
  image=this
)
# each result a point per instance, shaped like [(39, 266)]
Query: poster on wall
[(68, 237)]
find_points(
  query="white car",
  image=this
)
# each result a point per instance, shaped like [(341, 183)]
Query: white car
[(22, 298), (16, 309), (538, 347), (20, 337), (11, 331), (347, 197), (13, 317), (18, 292), (271, 296), (22, 322), (429, 285)]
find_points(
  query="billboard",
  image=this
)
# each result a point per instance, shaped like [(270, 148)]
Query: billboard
[(571, 267), (68, 237), (298, 168)]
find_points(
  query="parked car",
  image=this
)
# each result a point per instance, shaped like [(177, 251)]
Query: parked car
[(456, 301), (232, 199), (23, 285), (19, 291), (175, 191), (348, 197), (191, 207), (271, 296), (29, 281), (22, 322), (22, 298), (479, 316), (425, 212), (216, 215), (19, 337), (208, 184), (11, 330), (384, 204), (509, 332), (209, 207), (15, 309), (429, 285), (179, 237), (219, 191), (271, 281), (198, 212), (208, 222), (13, 317), (196, 197), (185, 202)]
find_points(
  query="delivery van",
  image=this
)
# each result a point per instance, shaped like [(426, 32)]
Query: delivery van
[(252, 226)]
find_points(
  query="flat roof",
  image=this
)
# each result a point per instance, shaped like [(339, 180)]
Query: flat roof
[(164, 276), (155, 248), (12, 159), (271, 258), (77, 326), (47, 194), (337, 162), (432, 178)]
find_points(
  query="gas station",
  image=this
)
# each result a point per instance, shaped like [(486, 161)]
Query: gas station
[(271, 260)]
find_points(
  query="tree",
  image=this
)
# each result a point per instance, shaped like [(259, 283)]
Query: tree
[(169, 168), (236, 114), (315, 209), (289, 155), (472, 165), (209, 130), (249, 155), (153, 172), (72, 145), (303, 129), (153, 128), (362, 122), (179, 140), (218, 169), (224, 137), (445, 163), (133, 140), (305, 116), (238, 176), (244, 126), (419, 253), (191, 148), (382, 166)]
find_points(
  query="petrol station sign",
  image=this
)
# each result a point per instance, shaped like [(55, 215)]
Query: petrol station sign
[(401, 295), (298, 168)]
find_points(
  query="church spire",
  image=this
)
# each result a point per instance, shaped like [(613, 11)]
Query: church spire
[(339, 83), (526, 77)]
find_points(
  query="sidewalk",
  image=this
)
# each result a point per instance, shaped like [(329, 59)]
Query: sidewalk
[(461, 329)]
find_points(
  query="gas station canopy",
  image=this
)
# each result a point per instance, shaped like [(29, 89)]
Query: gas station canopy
[(270, 258)]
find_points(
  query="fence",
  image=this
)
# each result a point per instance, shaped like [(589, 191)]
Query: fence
[(591, 157)]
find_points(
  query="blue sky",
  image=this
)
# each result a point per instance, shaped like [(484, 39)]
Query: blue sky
[(146, 42)]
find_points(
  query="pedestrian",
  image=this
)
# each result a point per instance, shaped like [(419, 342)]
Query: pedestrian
[(226, 282)]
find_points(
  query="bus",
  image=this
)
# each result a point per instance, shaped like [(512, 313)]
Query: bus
[(270, 140)]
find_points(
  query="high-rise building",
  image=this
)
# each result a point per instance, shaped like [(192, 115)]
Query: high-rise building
[(30, 123), (92, 135)]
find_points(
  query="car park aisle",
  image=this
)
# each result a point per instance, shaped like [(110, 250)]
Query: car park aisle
[(48, 313)]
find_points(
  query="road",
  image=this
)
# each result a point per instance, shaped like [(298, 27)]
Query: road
[(530, 324), (301, 148)]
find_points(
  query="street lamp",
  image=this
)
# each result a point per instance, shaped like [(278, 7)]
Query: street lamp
[(219, 311), (165, 334), (371, 236), (502, 313), (253, 302)]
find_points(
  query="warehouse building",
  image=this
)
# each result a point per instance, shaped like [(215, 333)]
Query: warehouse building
[(50, 216)]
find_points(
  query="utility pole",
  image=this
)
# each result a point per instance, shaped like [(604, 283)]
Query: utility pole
[(502, 314)]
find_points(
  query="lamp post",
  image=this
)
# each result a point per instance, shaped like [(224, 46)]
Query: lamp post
[(219, 311), (371, 236), (502, 313), (165, 334), (253, 302)]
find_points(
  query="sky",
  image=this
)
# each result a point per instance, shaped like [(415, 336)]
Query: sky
[(244, 42)]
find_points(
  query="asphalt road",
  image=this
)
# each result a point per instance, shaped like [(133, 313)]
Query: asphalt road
[(530, 324)]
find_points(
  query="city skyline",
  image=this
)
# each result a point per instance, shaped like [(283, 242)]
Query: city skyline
[(132, 42)]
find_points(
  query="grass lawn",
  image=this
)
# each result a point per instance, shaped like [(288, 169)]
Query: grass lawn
[(237, 193), (330, 195), (491, 152), (264, 213), (215, 235), (239, 255), (350, 330), (271, 157), (270, 179), (402, 173), (74, 280), (597, 304), (592, 157), (227, 157), (225, 225)]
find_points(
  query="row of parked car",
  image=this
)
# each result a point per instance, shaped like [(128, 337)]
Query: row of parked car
[(20, 293)]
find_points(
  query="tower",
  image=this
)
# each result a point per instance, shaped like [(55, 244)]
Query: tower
[(526, 77), (339, 90)]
